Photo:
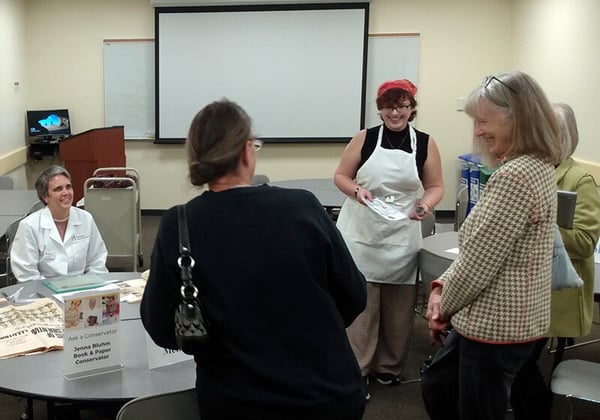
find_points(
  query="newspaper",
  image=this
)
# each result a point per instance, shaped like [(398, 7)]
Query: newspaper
[(32, 328), (132, 290)]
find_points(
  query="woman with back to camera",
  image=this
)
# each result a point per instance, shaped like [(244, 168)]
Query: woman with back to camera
[(571, 309), (59, 239), (392, 161), (496, 294), (276, 280)]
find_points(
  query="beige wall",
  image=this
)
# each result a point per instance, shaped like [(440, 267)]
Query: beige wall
[(12, 129), (461, 41), (558, 45)]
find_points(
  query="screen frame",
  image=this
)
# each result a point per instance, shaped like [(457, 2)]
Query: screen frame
[(344, 136)]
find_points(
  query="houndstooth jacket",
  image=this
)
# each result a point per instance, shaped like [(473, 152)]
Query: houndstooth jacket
[(498, 288)]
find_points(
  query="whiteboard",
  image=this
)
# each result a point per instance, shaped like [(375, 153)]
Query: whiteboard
[(129, 79), (129, 86), (390, 57)]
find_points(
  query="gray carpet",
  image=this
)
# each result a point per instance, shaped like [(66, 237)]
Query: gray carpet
[(399, 402)]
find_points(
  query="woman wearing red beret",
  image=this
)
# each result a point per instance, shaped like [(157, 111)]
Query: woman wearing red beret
[(400, 165)]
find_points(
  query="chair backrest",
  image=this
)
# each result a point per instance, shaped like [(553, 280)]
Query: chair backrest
[(6, 183), (7, 278), (260, 179), (577, 379), (35, 207), (428, 225), (180, 405), (462, 201), (11, 232)]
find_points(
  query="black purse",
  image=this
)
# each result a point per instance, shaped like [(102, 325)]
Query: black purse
[(191, 327)]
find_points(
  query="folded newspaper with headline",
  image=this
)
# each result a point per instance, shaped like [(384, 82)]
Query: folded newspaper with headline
[(35, 327)]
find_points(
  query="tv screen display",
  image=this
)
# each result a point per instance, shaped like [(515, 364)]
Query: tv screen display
[(49, 123)]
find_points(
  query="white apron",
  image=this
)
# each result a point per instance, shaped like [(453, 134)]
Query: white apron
[(384, 250)]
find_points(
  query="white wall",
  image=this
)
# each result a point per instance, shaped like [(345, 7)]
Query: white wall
[(461, 42)]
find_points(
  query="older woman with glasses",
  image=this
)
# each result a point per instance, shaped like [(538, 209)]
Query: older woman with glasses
[(276, 281), (396, 163), (496, 294)]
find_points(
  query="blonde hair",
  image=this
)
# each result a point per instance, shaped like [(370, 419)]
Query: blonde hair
[(534, 128), (568, 128)]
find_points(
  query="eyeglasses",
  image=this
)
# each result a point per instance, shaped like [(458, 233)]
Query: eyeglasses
[(258, 144), (489, 79), (396, 108)]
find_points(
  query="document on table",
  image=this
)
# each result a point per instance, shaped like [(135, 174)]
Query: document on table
[(385, 210)]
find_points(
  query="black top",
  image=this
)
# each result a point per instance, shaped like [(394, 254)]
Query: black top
[(278, 287), (396, 140)]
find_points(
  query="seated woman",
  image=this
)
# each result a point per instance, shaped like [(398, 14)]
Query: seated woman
[(59, 239)]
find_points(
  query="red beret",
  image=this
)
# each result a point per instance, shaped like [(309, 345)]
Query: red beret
[(405, 84)]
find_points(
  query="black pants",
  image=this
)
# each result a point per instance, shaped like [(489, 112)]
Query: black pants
[(471, 380), (530, 397)]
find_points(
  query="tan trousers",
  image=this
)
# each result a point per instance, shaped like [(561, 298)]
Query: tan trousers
[(380, 336)]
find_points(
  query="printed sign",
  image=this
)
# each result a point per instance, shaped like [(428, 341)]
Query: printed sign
[(92, 342)]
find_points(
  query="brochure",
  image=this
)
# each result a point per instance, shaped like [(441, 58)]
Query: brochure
[(385, 210), (132, 290)]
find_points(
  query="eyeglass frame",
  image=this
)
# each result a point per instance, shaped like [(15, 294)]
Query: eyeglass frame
[(396, 108), (488, 79), (258, 144)]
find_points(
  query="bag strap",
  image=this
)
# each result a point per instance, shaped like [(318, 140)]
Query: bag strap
[(185, 260), (184, 238)]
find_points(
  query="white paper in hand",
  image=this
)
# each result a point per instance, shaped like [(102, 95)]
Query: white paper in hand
[(385, 210)]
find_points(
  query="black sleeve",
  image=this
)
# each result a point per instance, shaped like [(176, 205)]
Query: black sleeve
[(347, 285), (160, 298)]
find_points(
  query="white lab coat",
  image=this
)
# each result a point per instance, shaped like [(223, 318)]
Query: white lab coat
[(38, 252)]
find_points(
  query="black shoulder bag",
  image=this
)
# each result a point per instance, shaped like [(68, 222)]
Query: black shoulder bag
[(191, 329)]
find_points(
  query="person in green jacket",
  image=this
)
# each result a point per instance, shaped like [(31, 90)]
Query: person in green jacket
[(571, 309)]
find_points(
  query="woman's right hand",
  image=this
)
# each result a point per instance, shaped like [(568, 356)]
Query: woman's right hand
[(438, 327), (363, 194)]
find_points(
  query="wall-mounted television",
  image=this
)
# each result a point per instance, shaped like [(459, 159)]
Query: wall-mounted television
[(52, 123)]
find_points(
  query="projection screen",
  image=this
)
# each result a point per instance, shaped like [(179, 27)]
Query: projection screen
[(299, 71)]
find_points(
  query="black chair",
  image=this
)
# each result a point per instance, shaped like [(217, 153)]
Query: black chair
[(462, 201), (6, 183), (180, 405), (6, 277)]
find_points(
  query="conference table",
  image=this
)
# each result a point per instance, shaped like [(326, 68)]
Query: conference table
[(39, 377), (324, 189), (15, 204), (441, 249), (435, 257)]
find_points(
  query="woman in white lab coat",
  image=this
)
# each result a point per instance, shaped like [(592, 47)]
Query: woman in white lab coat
[(59, 239)]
